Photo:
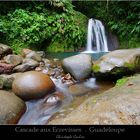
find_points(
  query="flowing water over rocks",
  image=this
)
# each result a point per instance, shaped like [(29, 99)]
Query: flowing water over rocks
[(40, 111), (61, 102)]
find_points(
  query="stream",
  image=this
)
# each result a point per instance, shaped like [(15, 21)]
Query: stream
[(65, 98), (61, 102)]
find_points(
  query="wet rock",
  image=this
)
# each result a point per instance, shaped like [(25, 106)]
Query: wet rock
[(7, 80), (28, 64), (68, 79), (46, 61), (13, 59), (79, 66), (119, 105), (54, 98), (42, 64), (35, 56), (4, 50), (51, 72), (117, 63), (31, 85), (57, 73), (5, 68), (11, 108), (38, 69), (41, 67), (45, 71)]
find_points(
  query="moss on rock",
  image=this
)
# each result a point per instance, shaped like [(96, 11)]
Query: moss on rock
[(122, 81), (96, 68)]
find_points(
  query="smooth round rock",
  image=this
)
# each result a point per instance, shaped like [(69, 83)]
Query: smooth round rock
[(32, 85), (11, 107)]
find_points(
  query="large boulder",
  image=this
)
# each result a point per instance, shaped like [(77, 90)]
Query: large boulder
[(11, 108), (13, 59), (119, 105), (4, 50), (79, 66), (118, 63), (5, 68), (31, 85)]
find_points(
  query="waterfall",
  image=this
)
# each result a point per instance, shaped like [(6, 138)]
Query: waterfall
[(96, 37)]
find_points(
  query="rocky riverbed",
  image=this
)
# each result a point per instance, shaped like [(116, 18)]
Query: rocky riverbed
[(37, 90)]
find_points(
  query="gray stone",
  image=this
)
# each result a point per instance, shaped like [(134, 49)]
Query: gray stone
[(28, 64), (4, 50), (35, 56), (13, 59), (79, 66), (41, 53)]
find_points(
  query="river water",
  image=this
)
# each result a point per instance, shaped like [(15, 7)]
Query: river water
[(64, 100)]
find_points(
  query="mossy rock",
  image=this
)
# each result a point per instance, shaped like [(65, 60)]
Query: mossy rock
[(96, 68), (117, 64), (122, 81)]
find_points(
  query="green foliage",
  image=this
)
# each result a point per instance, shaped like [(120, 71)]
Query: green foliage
[(122, 81), (65, 5), (36, 22)]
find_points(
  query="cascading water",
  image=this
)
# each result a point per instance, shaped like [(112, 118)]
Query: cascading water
[(96, 38), (41, 110)]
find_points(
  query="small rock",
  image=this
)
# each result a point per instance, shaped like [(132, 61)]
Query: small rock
[(13, 59), (41, 64), (25, 52), (45, 71), (46, 61), (38, 69), (33, 55), (68, 77), (28, 64), (5, 68), (4, 50), (41, 54), (51, 72)]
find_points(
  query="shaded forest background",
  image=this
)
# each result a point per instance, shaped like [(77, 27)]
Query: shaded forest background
[(61, 25)]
